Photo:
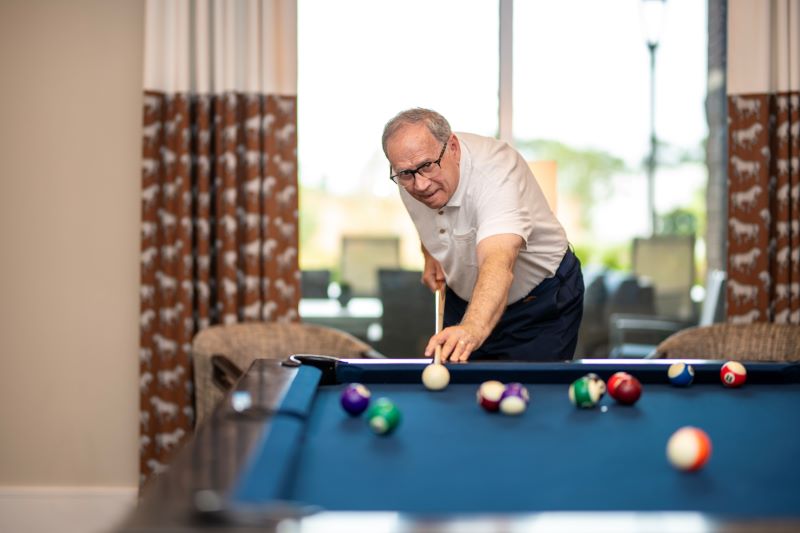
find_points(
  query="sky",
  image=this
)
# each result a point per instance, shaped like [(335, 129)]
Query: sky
[(581, 76)]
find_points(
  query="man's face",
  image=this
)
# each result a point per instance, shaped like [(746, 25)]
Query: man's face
[(412, 146)]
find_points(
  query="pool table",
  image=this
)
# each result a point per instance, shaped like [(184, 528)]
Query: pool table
[(280, 450)]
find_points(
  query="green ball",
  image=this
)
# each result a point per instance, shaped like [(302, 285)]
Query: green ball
[(584, 393), (383, 416)]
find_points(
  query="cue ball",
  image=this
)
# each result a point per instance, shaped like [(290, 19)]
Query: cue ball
[(489, 395), (733, 374), (688, 448), (355, 398), (435, 377), (681, 374)]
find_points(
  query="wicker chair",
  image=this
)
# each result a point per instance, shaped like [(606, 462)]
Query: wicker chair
[(746, 342), (220, 354)]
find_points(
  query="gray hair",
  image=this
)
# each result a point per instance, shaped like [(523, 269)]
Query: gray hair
[(436, 124)]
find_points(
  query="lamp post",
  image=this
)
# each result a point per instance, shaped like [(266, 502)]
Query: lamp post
[(652, 13)]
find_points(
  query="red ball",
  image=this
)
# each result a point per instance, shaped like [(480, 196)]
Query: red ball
[(614, 381), (733, 374), (627, 391)]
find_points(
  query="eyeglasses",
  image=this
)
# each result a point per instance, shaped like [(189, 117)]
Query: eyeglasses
[(430, 170)]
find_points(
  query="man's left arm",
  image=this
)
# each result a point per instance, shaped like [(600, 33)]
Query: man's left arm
[(496, 258)]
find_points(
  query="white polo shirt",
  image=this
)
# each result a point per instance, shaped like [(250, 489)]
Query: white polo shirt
[(496, 194)]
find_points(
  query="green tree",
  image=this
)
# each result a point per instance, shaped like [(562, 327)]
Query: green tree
[(582, 174)]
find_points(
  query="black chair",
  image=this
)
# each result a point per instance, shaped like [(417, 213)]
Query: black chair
[(408, 319), (314, 283), (667, 261), (608, 293), (637, 336)]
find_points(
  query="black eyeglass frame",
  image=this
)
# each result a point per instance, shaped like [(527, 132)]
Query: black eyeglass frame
[(423, 166)]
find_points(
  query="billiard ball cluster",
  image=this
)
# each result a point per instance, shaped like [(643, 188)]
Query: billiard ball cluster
[(511, 399), (689, 448), (383, 416), (731, 374)]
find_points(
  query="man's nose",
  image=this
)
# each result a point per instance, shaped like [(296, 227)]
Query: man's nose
[(421, 182)]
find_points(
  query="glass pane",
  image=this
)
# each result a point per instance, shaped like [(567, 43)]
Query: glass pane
[(582, 97), (360, 62)]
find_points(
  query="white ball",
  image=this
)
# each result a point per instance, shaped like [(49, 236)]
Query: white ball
[(435, 377)]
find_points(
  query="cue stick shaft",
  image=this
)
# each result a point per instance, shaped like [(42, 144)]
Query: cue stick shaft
[(439, 305)]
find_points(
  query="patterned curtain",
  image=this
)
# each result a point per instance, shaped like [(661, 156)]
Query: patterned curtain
[(219, 192), (763, 167)]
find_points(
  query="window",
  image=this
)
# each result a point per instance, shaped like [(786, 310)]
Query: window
[(582, 97), (359, 63)]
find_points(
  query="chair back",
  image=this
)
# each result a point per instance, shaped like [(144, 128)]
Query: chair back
[(362, 257), (743, 342), (221, 350), (668, 262), (408, 320)]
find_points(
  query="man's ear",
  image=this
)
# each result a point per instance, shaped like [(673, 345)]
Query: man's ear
[(454, 147)]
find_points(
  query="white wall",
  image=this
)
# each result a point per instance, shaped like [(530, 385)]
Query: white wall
[(70, 129)]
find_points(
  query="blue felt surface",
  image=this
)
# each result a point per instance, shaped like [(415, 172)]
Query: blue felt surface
[(449, 456)]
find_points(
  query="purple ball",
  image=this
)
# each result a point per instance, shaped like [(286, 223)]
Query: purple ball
[(515, 399), (355, 398)]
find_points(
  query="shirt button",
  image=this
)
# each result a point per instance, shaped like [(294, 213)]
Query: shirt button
[(441, 212), (441, 231)]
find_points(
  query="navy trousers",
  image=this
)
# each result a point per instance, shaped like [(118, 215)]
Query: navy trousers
[(542, 326)]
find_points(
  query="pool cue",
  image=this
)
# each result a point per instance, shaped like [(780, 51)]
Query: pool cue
[(439, 305)]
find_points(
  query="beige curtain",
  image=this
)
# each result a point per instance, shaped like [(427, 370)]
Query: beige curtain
[(219, 191), (763, 167)]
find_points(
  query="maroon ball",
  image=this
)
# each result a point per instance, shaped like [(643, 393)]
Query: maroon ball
[(627, 391), (489, 395)]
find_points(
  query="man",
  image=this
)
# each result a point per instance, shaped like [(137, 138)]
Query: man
[(514, 288)]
